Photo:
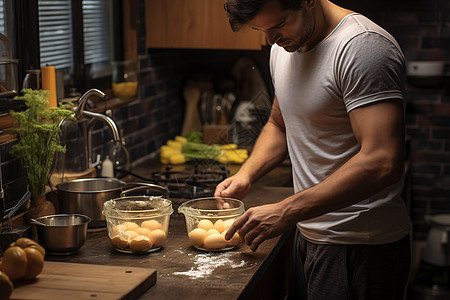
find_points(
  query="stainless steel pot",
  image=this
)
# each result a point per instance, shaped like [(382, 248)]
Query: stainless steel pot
[(86, 196), (437, 249)]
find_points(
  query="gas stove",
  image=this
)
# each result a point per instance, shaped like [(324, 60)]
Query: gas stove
[(197, 180)]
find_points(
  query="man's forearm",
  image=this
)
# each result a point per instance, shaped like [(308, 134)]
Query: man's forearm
[(350, 184), (270, 149)]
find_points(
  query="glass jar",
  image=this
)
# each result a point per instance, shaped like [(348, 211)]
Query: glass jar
[(124, 79)]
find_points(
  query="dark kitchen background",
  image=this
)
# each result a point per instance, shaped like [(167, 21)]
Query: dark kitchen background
[(421, 27)]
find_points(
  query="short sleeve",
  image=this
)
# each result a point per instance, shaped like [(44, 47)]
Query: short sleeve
[(370, 68)]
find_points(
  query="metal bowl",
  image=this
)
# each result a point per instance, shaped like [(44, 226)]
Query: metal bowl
[(62, 234)]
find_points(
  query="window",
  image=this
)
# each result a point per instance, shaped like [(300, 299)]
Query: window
[(79, 37), (2, 17), (96, 34), (55, 34), (82, 52), (7, 26)]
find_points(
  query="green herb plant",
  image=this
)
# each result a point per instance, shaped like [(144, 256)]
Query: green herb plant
[(39, 134)]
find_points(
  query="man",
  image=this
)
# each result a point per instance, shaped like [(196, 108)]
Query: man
[(339, 114)]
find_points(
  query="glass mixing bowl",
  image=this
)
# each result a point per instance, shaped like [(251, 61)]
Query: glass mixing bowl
[(137, 224), (207, 224)]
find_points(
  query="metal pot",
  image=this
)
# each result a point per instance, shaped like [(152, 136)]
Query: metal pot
[(437, 249), (86, 196)]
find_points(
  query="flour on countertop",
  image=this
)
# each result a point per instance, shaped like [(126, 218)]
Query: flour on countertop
[(206, 263)]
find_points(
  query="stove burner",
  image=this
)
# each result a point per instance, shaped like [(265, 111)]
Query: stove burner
[(196, 183)]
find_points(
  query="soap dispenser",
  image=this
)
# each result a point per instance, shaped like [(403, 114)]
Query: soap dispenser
[(107, 167)]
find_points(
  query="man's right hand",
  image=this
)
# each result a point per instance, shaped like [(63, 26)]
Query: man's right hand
[(236, 186)]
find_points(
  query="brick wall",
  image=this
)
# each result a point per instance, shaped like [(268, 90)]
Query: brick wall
[(423, 31)]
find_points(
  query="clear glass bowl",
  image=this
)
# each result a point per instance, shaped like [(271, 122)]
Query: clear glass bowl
[(137, 224), (207, 224)]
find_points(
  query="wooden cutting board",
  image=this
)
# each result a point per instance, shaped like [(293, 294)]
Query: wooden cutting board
[(60, 280)]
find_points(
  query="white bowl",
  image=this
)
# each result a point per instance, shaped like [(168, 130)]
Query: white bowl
[(425, 68)]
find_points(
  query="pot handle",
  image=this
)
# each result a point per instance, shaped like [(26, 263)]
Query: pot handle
[(144, 186)]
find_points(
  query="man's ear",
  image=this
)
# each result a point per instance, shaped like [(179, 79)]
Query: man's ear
[(310, 3)]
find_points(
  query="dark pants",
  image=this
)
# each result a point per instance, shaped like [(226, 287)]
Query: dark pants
[(364, 272)]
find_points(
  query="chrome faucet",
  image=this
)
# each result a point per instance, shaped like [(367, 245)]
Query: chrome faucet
[(81, 113)]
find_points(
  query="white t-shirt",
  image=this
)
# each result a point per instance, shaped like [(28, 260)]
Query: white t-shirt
[(356, 64)]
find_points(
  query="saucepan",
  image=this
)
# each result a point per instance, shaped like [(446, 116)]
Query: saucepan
[(87, 196)]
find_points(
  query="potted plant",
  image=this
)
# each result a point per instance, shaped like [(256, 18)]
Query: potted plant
[(39, 134)]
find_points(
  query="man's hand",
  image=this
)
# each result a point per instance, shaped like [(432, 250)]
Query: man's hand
[(260, 223), (235, 186)]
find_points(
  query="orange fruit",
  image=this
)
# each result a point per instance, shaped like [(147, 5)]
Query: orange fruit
[(26, 242), (6, 286), (35, 263), (14, 262)]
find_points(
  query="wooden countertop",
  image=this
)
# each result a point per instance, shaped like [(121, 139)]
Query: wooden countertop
[(184, 272)]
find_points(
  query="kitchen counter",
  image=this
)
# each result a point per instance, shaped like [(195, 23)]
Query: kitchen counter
[(184, 272)]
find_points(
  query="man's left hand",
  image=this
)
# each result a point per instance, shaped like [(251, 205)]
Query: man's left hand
[(258, 224)]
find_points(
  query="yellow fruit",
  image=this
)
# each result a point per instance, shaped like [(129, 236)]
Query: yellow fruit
[(6, 286), (14, 262), (125, 89), (35, 263), (26, 242)]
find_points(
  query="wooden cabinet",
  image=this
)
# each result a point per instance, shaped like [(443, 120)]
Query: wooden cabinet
[(198, 24)]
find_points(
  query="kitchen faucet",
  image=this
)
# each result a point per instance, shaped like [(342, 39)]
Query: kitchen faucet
[(81, 113)]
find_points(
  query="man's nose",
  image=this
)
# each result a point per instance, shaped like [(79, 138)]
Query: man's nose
[(271, 37)]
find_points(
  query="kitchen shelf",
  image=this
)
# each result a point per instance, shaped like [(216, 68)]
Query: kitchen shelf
[(111, 103)]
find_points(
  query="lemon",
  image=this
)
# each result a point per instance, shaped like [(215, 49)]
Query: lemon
[(125, 89)]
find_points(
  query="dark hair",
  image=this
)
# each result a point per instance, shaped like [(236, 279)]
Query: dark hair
[(240, 12)]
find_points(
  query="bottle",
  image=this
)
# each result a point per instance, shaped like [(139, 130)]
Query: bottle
[(120, 157), (107, 167)]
